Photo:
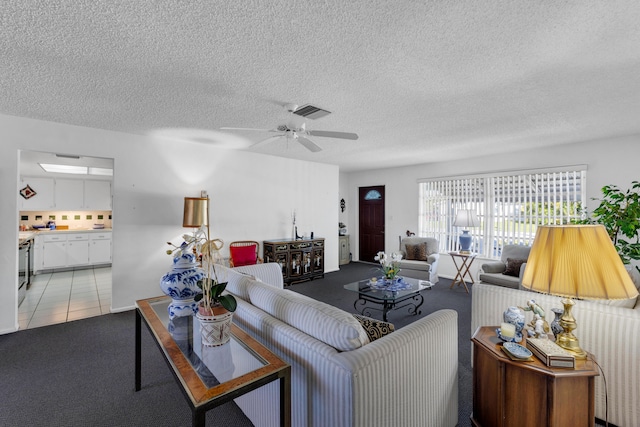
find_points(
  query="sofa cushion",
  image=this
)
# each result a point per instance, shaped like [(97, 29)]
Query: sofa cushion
[(408, 264), (417, 252), (513, 267), (237, 283), (374, 328), (325, 323), (500, 279), (431, 243)]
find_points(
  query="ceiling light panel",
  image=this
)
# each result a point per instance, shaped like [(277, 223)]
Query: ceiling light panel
[(100, 171), (52, 168)]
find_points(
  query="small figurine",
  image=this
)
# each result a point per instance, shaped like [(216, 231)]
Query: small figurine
[(541, 329), (538, 315)]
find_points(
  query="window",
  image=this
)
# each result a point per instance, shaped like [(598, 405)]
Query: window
[(509, 205)]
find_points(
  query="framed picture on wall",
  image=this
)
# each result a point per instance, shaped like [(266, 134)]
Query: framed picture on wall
[(27, 192)]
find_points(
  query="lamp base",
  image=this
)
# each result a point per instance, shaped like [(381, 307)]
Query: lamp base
[(465, 242), (566, 339)]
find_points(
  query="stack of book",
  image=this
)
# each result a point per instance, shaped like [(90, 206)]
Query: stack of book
[(550, 353)]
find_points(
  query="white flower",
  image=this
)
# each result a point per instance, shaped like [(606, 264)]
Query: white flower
[(389, 263)]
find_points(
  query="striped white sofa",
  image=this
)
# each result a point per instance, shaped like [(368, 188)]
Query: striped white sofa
[(607, 330), (339, 377)]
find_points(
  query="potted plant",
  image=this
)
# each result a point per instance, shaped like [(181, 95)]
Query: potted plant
[(215, 309), (619, 213)]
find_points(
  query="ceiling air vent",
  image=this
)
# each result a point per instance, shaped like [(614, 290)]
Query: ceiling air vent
[(311, 112)]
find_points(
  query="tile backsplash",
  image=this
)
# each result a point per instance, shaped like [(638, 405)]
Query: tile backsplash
[(73, 219)]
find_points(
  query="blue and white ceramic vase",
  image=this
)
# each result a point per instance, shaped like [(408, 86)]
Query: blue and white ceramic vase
[(515, 316), (181, 284)]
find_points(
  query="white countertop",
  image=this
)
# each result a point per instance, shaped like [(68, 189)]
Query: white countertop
[(26, 235)]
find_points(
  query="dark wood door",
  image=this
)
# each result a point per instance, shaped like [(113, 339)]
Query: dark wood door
[(371, 221)]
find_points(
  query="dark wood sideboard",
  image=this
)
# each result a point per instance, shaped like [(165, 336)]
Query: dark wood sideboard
[(300, 260)]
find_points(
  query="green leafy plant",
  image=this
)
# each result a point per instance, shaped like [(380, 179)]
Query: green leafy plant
[(212, 295), (619, 213)]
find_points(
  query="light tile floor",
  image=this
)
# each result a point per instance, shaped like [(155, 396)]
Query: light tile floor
[(66, 296)]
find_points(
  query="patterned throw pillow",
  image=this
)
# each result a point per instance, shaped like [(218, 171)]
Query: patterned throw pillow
[(417, 252), (513, 267), (374, 328)]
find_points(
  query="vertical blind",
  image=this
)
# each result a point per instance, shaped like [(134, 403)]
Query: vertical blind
[(509, 205)]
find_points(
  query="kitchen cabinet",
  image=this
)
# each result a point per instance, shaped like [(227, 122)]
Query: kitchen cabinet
[(69, 194), (66, 249), (54, 251), (38, 253), (345, 250), (77, 249), (66, 194), (97, 195), (299, 260), (43, 200), (100, 248)]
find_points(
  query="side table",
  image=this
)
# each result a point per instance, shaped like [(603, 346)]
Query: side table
[(210, 376), (528, 394), (466, 259)]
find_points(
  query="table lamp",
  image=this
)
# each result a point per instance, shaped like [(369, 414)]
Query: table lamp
[(466, 218), (576, 261), (196, 212)]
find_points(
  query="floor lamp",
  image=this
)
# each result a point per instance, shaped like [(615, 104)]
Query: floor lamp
[(576, 261)]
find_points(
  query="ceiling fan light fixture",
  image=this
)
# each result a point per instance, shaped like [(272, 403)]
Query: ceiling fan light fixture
[(311, 112)]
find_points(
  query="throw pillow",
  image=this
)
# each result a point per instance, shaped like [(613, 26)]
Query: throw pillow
[(243, 255), (417, 252), (513, 267), (374, 328)]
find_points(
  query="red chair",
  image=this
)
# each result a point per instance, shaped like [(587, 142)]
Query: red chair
[(244, 252)]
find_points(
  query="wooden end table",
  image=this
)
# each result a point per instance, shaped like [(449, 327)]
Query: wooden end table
[(466, 259), (207, 375), (528, 394)]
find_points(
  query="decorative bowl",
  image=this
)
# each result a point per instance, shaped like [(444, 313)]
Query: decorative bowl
[(517, 350)]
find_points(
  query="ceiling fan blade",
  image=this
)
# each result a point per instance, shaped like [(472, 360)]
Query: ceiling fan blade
[(268, 140), (330, 134), (251, 129), (309, 145)]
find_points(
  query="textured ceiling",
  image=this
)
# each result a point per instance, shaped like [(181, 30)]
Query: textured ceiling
[(419, 81)]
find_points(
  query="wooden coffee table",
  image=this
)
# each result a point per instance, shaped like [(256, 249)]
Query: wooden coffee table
[(210, 376)]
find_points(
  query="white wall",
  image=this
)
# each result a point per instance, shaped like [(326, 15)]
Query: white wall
[(252, 196), (613, 161)]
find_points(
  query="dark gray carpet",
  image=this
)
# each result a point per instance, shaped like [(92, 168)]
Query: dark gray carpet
[(330, 290), (82, 373)]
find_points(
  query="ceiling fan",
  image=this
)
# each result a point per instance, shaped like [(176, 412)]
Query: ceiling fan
[(298, 133)]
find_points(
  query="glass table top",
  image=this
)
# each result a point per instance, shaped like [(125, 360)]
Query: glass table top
[(214, 365), (388, 292)]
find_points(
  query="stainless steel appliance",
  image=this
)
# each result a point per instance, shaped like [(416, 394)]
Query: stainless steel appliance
[(24, 269)]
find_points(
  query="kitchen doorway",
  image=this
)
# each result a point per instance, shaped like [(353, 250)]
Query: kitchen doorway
[(69, 223)]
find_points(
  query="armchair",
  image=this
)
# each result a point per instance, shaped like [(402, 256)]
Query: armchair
[(244, 252), (508, 270), (419, 258)]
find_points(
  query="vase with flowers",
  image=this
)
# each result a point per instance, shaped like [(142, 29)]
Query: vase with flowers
[(389, 265), (215, 309)]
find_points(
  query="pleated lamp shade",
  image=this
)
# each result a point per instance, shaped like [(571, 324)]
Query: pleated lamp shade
[(577, 261), (466, 218), (196, 212)]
